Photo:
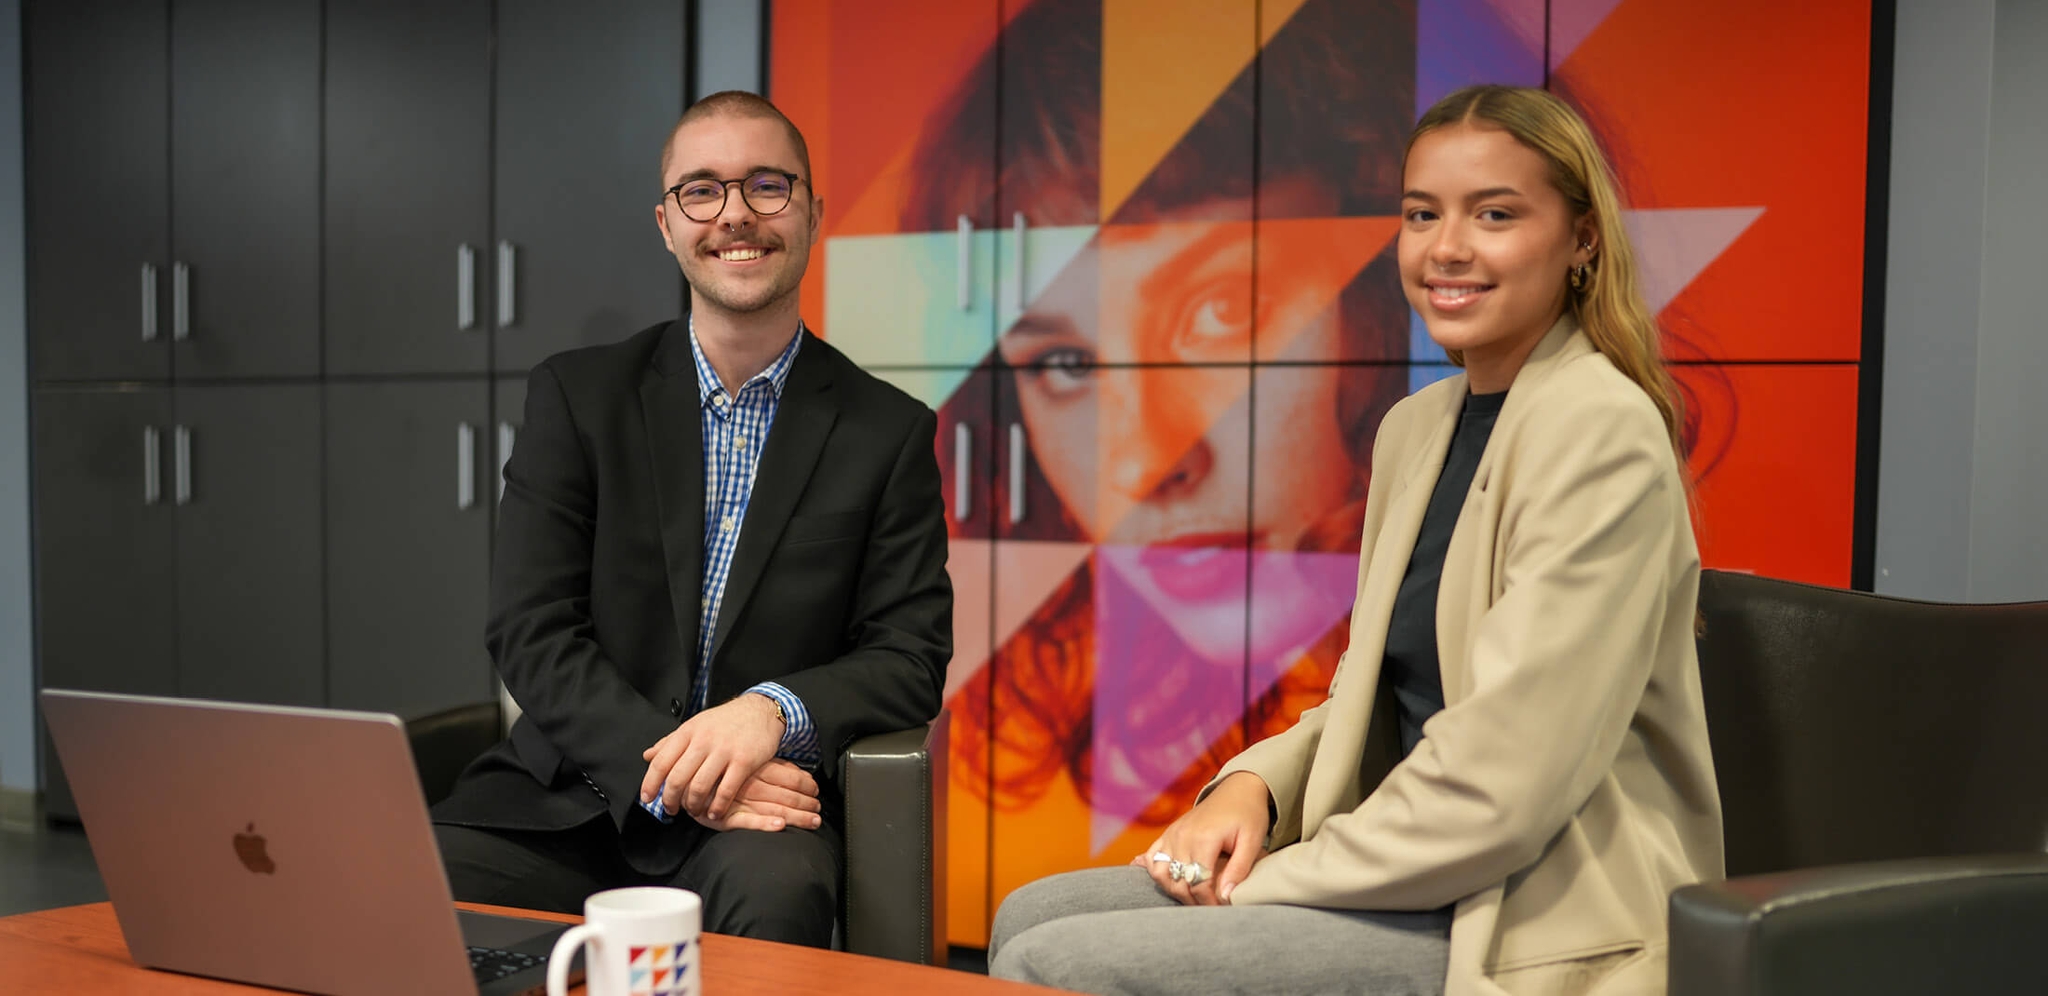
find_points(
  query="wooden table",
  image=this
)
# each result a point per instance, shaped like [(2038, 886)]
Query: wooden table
[(79, 949)]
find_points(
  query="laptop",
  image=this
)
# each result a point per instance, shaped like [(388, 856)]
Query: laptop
[(278, 846)]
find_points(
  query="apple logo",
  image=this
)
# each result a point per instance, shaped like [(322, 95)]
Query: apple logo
[(249, 847)]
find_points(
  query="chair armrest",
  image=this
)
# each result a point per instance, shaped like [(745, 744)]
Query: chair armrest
[(443, 743), (1936, 925), (894, 902)]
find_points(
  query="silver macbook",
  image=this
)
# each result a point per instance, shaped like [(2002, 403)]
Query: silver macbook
[(278, 846)]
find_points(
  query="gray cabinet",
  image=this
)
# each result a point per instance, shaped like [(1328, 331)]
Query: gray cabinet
[(508, 414), (177, 544), (289, 263), (245, 477), (408, 192), (586, 96), (408, 544), (105, 564), (173, 177), (245, 187), (98, 173)]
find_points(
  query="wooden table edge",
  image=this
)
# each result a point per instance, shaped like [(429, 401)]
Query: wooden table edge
[(65, 926)]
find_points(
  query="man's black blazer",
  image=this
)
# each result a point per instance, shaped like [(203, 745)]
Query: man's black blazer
[(838, 588)]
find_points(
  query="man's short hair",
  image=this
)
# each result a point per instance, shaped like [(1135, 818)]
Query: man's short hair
[(739, 104)]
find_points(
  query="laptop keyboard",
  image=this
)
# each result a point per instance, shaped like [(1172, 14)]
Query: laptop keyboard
[(491, 964)]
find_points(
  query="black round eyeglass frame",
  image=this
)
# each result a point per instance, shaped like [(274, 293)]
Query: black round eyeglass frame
[(675, 193)]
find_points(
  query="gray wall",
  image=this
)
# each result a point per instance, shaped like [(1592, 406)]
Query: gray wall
[(17, 653), (728, 47), (1963, 473)]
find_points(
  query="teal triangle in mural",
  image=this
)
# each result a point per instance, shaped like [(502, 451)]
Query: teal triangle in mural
[(1047, 251), (921, 299)]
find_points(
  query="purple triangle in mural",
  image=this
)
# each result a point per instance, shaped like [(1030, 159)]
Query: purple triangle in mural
[(1296, 599), (1171, 677)]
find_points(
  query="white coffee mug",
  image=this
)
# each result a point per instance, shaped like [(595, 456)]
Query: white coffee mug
[(643, 942)]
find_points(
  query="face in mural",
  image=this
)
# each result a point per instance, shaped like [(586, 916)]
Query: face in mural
[(1132, 388), (1196, 474)]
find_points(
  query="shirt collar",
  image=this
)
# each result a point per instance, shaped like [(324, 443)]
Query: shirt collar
[(777, 373)]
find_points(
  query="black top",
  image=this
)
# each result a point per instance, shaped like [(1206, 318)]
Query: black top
[(1410, 671)]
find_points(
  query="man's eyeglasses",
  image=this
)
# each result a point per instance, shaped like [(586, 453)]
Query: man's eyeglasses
[(765, 192)]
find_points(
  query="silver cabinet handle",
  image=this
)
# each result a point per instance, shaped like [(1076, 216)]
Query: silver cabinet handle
[(507, 273), (1017, 265), (149, 302), (152, 472), (963, 471), (181, 302), (465, 466), (1016, 473), (465, 287), (965, 278), (181, 469), (507, 435)]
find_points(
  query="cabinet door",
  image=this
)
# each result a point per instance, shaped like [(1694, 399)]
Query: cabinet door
[(106, 608), (508, 414), (245, 187), (98, 162), (408, 171), (245, 473), (586, 96), (408, 519)]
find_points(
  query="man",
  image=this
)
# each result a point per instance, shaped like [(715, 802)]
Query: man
[(721, 558)]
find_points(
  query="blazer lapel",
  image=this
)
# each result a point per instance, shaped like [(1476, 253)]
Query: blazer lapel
[(1352, 711), (1395, 544), (803, 419), (675, 442)]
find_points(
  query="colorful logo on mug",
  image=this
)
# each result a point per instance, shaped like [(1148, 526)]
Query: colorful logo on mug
[(659, 970)]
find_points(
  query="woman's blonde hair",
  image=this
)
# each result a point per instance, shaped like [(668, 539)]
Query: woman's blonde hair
[(1609, 306)]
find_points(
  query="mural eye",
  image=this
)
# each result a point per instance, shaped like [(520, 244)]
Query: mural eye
[(1220, 316), (1064, 371)]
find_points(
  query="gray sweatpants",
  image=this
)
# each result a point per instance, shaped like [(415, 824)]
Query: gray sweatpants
[(1110, 930)]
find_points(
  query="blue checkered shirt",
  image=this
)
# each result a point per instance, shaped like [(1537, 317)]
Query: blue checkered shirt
[(735, 432)]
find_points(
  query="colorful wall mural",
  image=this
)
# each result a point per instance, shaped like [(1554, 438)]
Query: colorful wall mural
[(1139, 256)]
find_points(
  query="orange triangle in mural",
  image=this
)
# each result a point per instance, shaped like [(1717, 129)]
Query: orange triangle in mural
[(1149, 420), (1163, 63), (876, 208), (1301, 267)]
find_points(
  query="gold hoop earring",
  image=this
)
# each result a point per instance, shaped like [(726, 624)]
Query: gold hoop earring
[(1579, 277)]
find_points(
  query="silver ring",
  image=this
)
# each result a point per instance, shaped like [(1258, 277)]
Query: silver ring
[(1158, 856), (1192, 874)]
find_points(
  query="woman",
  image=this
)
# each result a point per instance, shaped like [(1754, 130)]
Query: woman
[(1511, 771)]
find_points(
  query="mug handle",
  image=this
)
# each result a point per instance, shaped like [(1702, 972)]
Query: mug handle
[(565, 947)]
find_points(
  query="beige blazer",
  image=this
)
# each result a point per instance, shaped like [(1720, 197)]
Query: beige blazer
[(1566, 787)]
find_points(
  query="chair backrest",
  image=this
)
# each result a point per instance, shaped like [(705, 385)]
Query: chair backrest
[(445, 742), (1852, 727)]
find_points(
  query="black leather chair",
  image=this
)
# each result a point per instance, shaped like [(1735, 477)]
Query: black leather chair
[(892, 902), (1883, 766)]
